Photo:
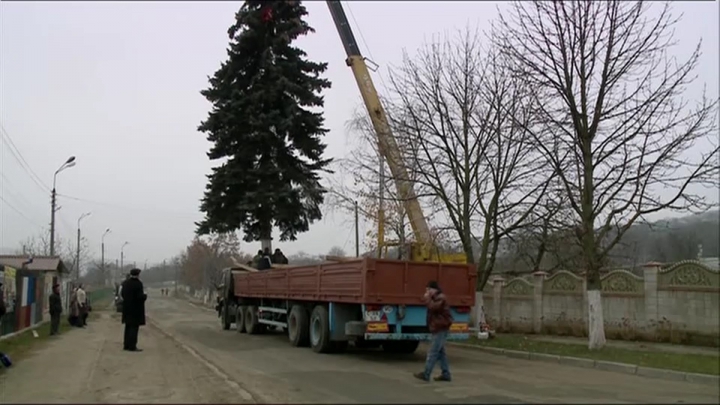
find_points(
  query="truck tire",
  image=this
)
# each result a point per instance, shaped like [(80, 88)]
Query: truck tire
[(298, 326), (225, 318), (240, 319), (252, 326), (401, 346), (320, 330)]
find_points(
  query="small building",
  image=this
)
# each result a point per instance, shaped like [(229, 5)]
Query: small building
[(27, 282)]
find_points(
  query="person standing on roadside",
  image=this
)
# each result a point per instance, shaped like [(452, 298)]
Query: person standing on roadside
[(74, 318), (55, 303), (133, 310), (82, 306), (439, 320)]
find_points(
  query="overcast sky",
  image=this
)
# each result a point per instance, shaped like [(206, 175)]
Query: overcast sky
[(117, 86)]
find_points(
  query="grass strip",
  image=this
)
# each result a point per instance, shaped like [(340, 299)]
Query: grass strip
[(19, 346), (689, 363)]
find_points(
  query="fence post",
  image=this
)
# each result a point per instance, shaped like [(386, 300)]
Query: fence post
[(650, 276), (498, 283), (538, 279)]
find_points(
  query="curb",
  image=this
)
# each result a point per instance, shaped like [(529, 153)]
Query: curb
[(21, 331), (599, 364)]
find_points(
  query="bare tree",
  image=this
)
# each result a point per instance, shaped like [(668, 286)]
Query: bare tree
[(204, 259), (613, 124), (363, 168), (337, 251), (463, 117)]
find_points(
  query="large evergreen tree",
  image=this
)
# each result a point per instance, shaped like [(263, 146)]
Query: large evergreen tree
[(266, 122)]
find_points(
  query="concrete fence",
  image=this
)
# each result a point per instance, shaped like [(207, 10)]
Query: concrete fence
[(678, 303)]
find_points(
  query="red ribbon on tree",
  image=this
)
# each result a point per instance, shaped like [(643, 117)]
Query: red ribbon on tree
[(267, 14)]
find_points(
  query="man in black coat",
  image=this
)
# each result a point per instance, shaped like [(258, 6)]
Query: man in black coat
[(133, 310), (55, 303)]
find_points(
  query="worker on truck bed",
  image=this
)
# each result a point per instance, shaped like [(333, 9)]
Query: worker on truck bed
[(265, 261), (439, 320), (278, 257), (256, 259)]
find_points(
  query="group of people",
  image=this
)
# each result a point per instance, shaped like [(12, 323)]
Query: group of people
[(165, 291), (79, 308), (264, 260)]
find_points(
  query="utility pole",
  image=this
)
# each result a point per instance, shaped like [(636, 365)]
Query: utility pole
[(122, 258), (102, 256), (357, 231), (53, 202), (176, 279), (77, 258)]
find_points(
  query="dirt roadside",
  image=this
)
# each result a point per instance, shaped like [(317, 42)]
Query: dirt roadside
[(89, 366)]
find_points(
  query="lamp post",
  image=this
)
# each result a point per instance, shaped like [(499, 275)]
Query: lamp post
[(122, 257), (102, 255), (357, 219), (53, 200), (77, 258)]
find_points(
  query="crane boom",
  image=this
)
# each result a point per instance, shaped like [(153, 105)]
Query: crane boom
[(387, 145)]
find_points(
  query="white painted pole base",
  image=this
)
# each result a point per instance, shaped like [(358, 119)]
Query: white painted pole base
[(596, 325)]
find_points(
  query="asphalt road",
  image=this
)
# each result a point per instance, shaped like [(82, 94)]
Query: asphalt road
[(270, 370)]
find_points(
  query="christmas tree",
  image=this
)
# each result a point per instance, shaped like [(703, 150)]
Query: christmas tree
[(266, 122)]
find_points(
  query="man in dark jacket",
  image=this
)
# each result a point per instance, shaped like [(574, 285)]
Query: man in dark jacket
[(2, 302), (55, 303), (279, 258), (266, 260), (439, 320), (257, 259), (133, 310)]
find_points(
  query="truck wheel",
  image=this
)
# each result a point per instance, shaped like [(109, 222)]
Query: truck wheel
[(320, 330), (224, 318), (240, 319), (252, 326), (298, 328), (401, 346)]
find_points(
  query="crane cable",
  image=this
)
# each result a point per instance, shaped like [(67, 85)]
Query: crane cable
[(365, 44)]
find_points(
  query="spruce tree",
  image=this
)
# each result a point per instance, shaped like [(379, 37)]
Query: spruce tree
[(266, 121)]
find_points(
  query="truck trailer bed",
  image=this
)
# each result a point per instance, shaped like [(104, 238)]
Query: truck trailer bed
[(361, 281)]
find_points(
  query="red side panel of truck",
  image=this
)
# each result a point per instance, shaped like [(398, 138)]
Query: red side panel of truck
[(362, 281)]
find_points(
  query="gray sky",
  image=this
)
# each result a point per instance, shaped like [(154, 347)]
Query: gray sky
[(117, 85)]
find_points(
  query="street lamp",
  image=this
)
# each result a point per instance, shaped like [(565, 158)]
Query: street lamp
[(68, 164), (122, 255), (357, 219), (102, 254), (77, 258)]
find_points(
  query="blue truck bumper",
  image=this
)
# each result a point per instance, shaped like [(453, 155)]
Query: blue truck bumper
[(413, 336)]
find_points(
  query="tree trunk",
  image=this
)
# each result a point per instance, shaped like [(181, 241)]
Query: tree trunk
[(596, 323), (266, 238)]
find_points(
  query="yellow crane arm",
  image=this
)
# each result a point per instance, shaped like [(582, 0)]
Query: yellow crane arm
[(387, 144)]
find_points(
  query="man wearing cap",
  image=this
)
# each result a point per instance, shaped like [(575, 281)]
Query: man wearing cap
[(133, 310), (439, 320)]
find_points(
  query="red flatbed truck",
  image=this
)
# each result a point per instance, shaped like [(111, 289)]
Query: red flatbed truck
[(371, 302)]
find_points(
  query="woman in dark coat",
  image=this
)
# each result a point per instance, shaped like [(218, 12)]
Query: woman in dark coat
[(133, 311)]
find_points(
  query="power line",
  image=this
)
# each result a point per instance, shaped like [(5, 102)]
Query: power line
[(26, 203), (362, 38), (21, 160), (18, 211), (128, 208)]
